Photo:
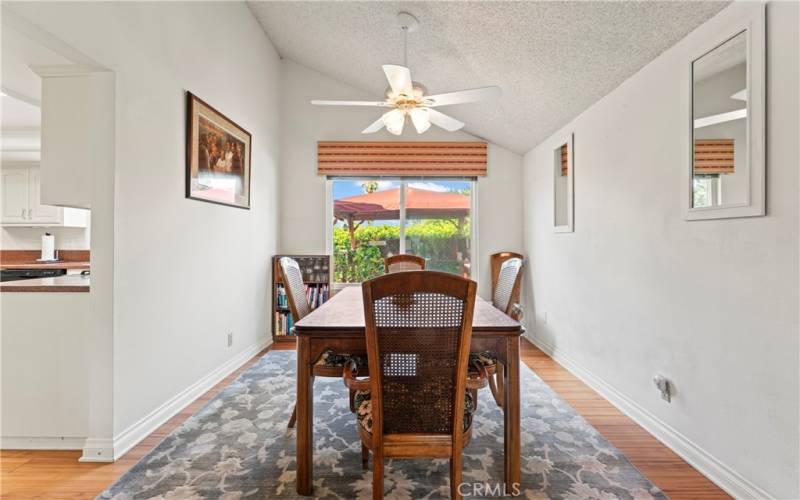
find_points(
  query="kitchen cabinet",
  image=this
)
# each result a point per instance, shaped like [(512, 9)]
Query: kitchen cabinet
[(15, 194), (21, 205)]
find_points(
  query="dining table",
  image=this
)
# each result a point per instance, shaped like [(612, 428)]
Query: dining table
[(338, 325)]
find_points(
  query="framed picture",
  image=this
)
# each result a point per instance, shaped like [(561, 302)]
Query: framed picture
[(217, 156)]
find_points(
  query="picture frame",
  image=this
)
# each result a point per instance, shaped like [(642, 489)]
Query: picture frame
[(218, 153)]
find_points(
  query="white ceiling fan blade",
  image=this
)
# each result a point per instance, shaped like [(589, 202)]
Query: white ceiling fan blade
[(399, 79), (464, 96), (381, 104), (442, 120), (374, 127)]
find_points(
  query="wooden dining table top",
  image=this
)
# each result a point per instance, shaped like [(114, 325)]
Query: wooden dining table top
[(345, 312)]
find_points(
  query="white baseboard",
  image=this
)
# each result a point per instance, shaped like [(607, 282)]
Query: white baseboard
[(723, 476), (41, 443), (97, 450), (106, 450)]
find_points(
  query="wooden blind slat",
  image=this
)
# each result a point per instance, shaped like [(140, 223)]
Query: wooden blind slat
[(713, 156), (564, 160), (439, 159)]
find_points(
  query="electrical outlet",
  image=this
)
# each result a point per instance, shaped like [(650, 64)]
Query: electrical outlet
[(230, 339)]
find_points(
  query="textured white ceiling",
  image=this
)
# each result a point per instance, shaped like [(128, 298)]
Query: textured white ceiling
[(552, 59)]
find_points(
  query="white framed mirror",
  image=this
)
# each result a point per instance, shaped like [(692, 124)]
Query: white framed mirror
[(563, 185), (726, 172)]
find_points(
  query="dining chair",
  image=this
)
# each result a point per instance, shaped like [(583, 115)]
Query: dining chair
[(403, 262), (506, 270), (417, 404), (506, 286), (330, 363)]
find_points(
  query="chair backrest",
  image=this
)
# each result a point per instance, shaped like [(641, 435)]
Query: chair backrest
[(496, 261), (295, 288), (403, 262), (506, 290), (418, 330)]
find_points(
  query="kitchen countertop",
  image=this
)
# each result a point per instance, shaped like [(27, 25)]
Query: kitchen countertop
[(26, 259), (61, 264), (66, 283)]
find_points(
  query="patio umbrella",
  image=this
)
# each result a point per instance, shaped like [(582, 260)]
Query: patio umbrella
[(385, 205)]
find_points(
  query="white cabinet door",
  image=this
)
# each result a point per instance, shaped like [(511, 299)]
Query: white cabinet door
[(14, 182), (38, 213)]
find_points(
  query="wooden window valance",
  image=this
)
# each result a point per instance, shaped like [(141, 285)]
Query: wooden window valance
[(431, 159), (564, 161), (713, 156)]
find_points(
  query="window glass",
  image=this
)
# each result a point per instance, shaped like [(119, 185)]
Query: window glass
[(437, 224), (376, 218), (366, 227)]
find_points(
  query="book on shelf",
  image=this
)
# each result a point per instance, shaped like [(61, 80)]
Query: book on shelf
[(283, 323), (281, 300), (316, 295), (315, 272)]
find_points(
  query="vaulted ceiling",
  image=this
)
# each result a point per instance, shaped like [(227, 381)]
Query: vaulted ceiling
[(552, 59)]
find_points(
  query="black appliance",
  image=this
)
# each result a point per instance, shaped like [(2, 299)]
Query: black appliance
[(29, 274)]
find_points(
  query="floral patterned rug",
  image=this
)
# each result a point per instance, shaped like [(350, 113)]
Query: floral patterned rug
[(238, 447)]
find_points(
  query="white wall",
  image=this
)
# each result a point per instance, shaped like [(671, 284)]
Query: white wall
[(302, 207), (185, 272), (636, 290), (30, 238), (44, 370)]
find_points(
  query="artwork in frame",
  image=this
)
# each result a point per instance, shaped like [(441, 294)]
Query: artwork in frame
[(217, 156)]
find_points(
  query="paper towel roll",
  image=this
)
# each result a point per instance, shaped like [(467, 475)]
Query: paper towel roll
[(48, 247)]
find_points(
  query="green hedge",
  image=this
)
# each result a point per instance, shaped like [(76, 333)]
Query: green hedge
[(437, 240)]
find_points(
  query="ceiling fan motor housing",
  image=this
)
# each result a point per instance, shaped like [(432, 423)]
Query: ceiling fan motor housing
[(418, 91)]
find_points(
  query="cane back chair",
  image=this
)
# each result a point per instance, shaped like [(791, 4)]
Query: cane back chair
[(330, 363), (506, 280), (506, 270), (403, 262), (416, 402)]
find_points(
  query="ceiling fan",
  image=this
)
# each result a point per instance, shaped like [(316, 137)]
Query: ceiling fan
[(407, 98)]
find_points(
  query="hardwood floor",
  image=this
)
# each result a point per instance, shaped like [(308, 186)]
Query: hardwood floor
[(57, 475)]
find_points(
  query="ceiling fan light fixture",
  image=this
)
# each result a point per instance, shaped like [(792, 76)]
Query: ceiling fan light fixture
[(420, 119), (394, 121)]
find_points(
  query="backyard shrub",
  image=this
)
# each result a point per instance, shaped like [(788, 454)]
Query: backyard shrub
[(438, 240)]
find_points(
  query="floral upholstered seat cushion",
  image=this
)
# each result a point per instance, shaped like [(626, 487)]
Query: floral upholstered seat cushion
[(330, 358), (485, 358), (363, 406)]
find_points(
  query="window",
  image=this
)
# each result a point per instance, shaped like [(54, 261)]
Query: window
[(707, 190), (374, 218)]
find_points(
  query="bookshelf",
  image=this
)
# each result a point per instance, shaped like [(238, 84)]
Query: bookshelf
[(316, 271)]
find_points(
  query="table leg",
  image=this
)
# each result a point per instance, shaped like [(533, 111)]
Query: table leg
[(500, 371), (512, 415), (305, 418)]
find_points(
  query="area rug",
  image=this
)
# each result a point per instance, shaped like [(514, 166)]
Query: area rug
[(237, 447)]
